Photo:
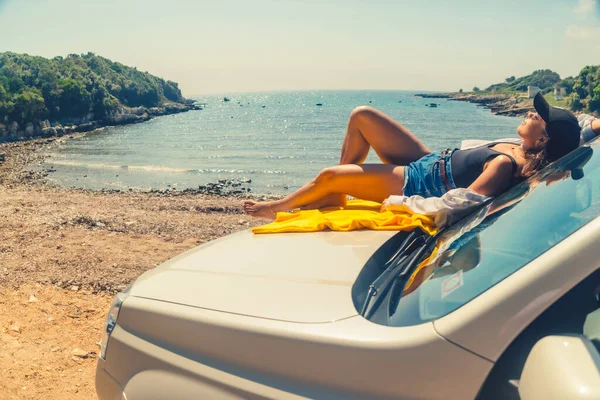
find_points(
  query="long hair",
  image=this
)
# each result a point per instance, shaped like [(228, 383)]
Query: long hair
[(534, 161)]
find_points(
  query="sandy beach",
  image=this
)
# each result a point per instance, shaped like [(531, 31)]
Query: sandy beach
[(65, 252)]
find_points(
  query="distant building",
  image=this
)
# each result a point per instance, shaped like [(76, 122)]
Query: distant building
[(560, 91), (532, 91)]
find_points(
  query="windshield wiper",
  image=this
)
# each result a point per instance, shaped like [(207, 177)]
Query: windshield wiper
[(393, 265), (405, 261)]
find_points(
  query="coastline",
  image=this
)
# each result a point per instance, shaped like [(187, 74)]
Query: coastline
[(498, 104), (122, 116)]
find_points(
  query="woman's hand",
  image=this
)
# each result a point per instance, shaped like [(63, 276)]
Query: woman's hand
[(390, 202), (384, 205)]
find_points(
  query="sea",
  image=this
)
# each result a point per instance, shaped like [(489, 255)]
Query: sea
[(271, 142)]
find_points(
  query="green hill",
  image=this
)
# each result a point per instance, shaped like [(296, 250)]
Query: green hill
[(77, 88), (545, 79), (583, 90)]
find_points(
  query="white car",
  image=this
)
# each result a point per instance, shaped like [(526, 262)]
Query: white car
[(376, 314)]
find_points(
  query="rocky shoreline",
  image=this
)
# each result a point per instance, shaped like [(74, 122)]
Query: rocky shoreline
[(17, 158), (121, 116), (498, 104)]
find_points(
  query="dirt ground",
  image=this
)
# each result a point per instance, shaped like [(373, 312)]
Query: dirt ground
[(40, 337), (64, 253)]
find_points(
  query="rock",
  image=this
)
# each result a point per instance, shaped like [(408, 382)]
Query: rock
[(15, 328), (77, 352), (29, 129), (49, 131), (2, 158), (99, 224), (33, 299), (241, 222), (76, 359), (85, 127), (74, 288), (13, 128), (129, 223), (55, 349)]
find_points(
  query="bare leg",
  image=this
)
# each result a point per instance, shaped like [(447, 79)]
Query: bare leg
[(373, 182), (393, 143), (368, 127), (331, 200)]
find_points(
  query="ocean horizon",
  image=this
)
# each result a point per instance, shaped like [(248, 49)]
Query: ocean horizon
[(271, 142)]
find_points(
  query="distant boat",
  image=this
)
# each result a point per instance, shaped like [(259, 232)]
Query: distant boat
[(431, 105), (319, 104), (225, 99)]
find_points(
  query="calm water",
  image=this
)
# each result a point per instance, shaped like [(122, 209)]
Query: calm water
[(278, 140)]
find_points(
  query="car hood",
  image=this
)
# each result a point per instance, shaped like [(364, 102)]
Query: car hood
[(296, 277)]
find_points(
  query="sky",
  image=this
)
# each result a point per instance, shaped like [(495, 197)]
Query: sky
[(269, 45)]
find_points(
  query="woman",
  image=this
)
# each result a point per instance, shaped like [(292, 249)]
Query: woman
[(410, 168)]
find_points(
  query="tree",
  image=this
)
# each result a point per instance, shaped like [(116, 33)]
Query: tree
[(574, 101), (460, 91), (476, 89), (75, 100), (171, 91), (594, 103), (586, 81), (568, 83), (3, 94), (28, 107), (510, 79)]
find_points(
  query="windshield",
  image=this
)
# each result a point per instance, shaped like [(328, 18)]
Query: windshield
[(485, 248)]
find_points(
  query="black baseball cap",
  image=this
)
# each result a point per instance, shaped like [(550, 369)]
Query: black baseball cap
[(561, 126)]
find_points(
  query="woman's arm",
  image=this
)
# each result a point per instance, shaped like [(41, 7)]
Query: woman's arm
[(596, 126), (495, 178), (590, 127)]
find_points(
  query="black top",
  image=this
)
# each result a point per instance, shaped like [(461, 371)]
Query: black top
[(467, 165)]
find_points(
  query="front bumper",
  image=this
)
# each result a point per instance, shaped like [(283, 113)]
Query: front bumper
[(107, 388)]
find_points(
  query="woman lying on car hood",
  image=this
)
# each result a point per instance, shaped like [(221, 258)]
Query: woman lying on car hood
[(409, 168)]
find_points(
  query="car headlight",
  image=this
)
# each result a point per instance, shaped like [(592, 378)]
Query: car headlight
[(111, 320)]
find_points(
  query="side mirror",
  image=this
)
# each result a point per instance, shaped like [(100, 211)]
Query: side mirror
[(561, 367)]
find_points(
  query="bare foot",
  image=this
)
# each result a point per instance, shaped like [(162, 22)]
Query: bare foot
[(331, 200), (259, 209)]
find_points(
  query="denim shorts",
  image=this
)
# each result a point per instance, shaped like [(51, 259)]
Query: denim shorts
[(422, 177)]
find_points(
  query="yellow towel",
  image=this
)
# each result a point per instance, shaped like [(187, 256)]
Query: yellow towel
[(357, 214)]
